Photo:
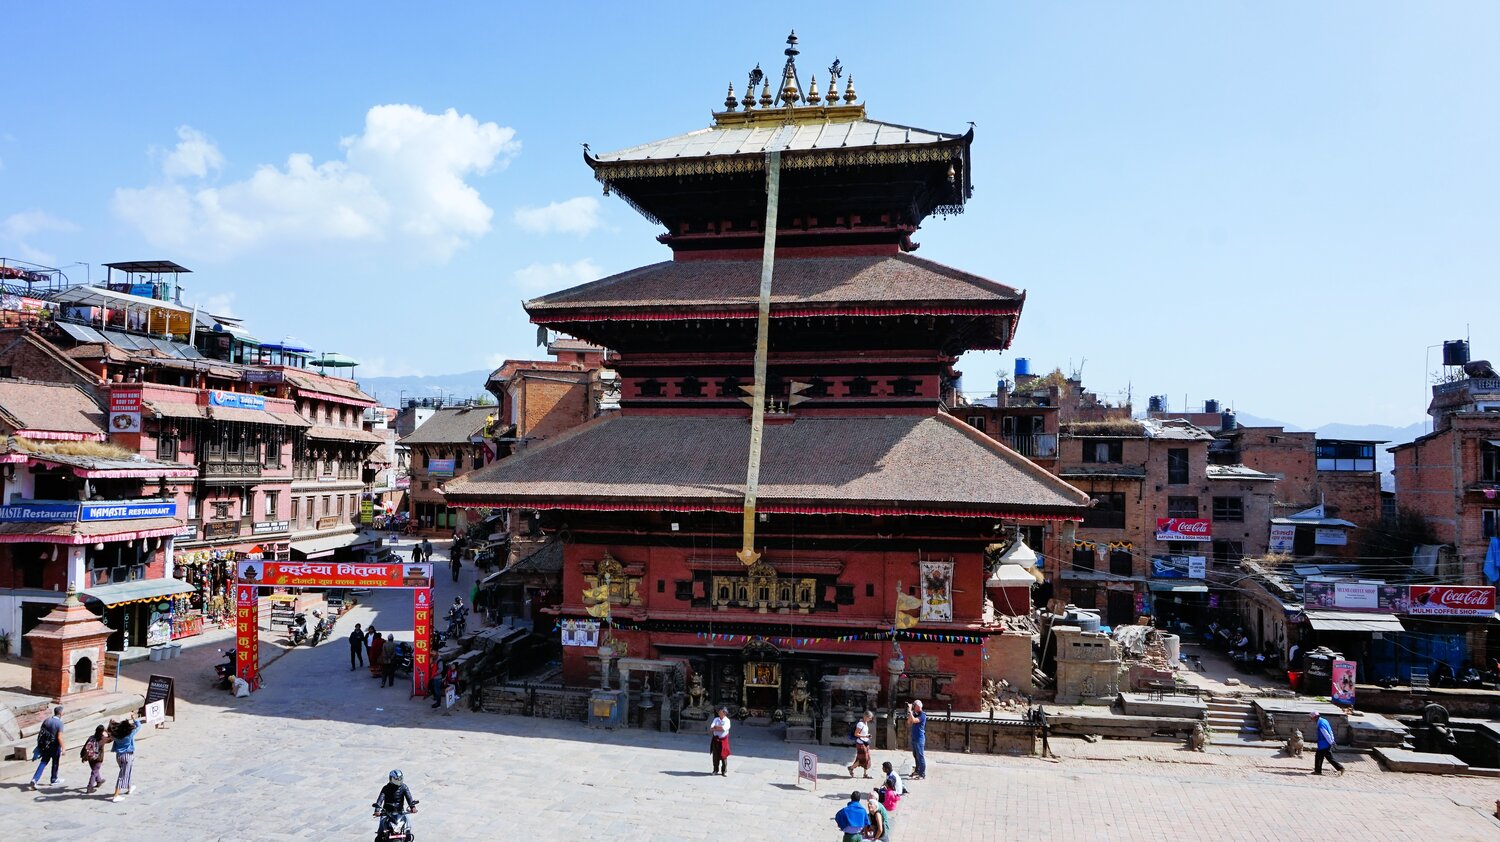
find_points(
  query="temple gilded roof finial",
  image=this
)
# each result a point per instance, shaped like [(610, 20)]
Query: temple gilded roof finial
[(791, 91), (731, 102), (756, 78), (813, 97), (765, 94), (849, 95)]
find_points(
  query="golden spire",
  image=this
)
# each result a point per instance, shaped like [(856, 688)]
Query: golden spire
[(765, 95), (813, 97), (849, 95), (755, 78), (730, 102)]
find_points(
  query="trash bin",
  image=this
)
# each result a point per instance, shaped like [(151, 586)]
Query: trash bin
[(1294, 678)]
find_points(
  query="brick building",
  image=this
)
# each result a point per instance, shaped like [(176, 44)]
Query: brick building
[(450, 443), (1159, 502)]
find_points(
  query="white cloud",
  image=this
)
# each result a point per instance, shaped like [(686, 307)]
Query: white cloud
[(219, 304), (193, 156), (403, 181), (18, 230), (380, 367), (579, 215), (547, 277)]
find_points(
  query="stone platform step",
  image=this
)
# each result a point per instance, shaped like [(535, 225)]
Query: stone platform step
[(1402, 760)]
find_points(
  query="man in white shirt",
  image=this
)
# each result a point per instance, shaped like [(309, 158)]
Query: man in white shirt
[(718, 743)]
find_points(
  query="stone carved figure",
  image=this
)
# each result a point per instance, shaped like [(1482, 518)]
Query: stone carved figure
[(1293, 746), (801, 699), (1198, 740), (697, 694)]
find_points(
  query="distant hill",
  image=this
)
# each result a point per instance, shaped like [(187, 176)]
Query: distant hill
[(389, 390)]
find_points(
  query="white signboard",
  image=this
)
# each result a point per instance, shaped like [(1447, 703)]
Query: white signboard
[(450, 696), (1283, 536), (1197, 567), (580, 632), (1356, 595), (807, 767), (1331, 537), (156, 712)]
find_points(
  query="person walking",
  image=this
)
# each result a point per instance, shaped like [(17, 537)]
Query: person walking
[(853, 819), (377, 645), (718, 742), (49, 746), (124, 749), (1325, 745), (917, 719), (388, 662), (93, 754), (426, 550), (862, 744), (356, 648)]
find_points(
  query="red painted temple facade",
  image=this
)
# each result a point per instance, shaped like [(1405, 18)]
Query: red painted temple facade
[(868, 487)]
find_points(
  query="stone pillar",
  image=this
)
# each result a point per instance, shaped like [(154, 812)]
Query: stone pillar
[(76, 571), (169, 562)]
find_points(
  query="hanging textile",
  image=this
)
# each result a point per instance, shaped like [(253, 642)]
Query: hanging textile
[(937, 591)]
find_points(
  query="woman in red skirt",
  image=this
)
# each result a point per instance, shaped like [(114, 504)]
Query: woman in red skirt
[(718, 743)]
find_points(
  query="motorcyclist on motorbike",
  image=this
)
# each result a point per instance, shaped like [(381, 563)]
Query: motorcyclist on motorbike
[(457, 617), (393, 797)]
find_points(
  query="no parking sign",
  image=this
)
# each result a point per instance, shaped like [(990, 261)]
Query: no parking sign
[(807, 767)]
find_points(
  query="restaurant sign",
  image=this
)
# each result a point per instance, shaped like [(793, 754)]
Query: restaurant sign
[(1452, 600), (236, 400), (47, 511), (1354, 596), (1183, 529)]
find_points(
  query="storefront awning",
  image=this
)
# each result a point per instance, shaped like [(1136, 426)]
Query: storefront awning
[(144, 590), (1353, 621), (1176, 587), (320, 547)]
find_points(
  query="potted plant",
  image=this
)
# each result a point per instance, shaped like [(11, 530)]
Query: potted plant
[(4, 643)]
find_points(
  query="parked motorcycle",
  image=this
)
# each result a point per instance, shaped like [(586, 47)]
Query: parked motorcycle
[(395, 826), (297, 631), (322, 629)]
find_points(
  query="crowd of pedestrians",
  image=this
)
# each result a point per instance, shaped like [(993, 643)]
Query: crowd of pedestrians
[(118, 736)]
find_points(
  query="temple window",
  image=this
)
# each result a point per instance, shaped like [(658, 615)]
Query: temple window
[(860, 387), (729, 387), (653, 388), (690, 387), (904, 387)]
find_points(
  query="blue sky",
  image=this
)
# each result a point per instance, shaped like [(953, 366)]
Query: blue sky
[(1280, 205)]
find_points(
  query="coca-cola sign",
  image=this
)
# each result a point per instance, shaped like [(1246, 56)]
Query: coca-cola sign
[(1452, 600), (1183, 529)]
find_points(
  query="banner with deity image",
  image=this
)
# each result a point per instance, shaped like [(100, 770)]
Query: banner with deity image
[(937, 591)]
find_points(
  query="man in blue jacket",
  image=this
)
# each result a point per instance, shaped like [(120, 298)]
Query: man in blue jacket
[(853, 818), (1325, 745)]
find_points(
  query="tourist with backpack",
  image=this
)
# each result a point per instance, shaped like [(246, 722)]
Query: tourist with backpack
[(49, 746), (861, 737), (92, 753)]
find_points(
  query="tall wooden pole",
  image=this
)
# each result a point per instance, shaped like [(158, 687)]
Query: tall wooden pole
[(747, 553)]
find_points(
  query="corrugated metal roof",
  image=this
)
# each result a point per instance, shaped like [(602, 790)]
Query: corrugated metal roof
[(753, 140), (1353, 621)]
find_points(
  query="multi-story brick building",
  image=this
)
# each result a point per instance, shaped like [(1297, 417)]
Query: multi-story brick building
[(450, 443), (1159, 502)]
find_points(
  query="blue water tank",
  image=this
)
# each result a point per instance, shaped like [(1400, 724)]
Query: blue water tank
[(1023, 366)]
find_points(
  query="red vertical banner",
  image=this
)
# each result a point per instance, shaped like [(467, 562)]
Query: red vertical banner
[(247, 634), (421, 646)]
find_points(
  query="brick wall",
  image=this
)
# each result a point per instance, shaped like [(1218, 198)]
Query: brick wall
[(27, 355)]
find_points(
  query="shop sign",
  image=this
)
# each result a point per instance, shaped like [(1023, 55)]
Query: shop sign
[(1283, 537), (1330, 537), (1183, 529), (403, 482), (268, 526), (162, 688), (1197, 567), (247, 634), (1342, 678), (236, 400), (1452, 600), (1354, 596), (330, 522), (323, 574), (1169, 567), (440, 468), (127, 510), (367, 511), (159, 631), (125, 410), (187, 533), (230, 529), (34, 512), (261, 375)]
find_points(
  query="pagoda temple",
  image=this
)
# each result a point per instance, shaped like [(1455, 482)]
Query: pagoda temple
[(873, 507)]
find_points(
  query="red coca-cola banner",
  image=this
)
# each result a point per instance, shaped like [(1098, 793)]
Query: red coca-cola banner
[(1184, 529), (247, 635), (1452, 600), (421, 647)]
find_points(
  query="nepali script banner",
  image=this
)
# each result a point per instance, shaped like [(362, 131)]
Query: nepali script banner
[(937, 591), (314, 574)]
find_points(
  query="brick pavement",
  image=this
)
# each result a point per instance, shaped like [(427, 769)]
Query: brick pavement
[(303, 759)]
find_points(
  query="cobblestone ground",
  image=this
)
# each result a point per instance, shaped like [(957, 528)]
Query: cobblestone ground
[(304, 757)]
